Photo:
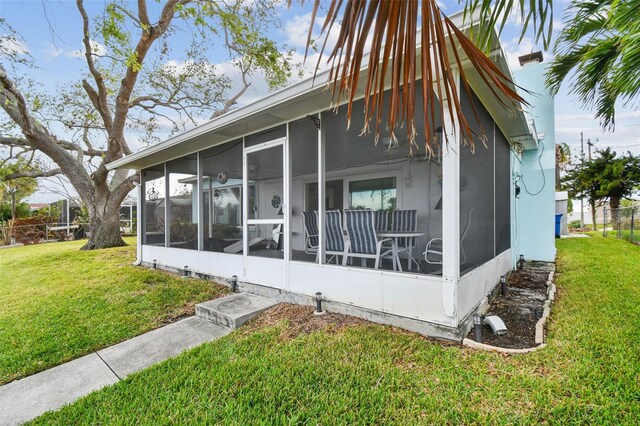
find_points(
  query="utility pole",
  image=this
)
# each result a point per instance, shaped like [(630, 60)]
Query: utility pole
[(582, 168), (589, 145)]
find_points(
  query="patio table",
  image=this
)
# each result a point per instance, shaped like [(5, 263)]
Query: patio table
[(395, 235)]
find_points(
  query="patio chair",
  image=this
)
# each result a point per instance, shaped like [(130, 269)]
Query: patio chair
[(363, 241), (406, 221), (334, 234), (311, 232), (381, 218), (434, 246)]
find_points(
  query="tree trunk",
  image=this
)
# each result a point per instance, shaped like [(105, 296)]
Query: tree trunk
[(104, 226), (614, 204), (13, 204), (592, 203)]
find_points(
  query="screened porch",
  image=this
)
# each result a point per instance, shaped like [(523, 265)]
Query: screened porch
[(317, 192)]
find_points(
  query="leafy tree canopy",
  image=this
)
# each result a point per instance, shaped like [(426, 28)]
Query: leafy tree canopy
[(134, 85), (22, 187), (606, 177)]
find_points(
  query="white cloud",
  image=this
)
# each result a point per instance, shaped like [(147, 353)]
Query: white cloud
[(53, 51), (180, 67), (97, 48), (297, 30), (13, 46)]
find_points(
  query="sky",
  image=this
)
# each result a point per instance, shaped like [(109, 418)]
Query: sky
[(52, 33)]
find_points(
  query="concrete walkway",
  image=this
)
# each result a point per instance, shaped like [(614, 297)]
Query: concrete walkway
[(28, 398)]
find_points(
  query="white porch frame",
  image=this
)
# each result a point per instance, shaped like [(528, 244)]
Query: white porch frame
[(270, 271), (451, 208), (417, 296)]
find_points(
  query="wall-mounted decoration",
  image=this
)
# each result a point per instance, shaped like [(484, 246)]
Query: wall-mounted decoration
[(276, 201)]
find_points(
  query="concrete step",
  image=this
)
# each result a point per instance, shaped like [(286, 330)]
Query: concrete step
[(234, 310)]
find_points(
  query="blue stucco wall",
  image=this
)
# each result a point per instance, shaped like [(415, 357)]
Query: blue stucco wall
[(533, 211)]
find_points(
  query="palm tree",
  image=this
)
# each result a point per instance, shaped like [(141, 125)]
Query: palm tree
[(600, 44), (563, 158), (397, 45)]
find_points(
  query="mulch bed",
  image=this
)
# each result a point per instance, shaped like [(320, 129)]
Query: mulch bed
[(301, 320), (527, 290)]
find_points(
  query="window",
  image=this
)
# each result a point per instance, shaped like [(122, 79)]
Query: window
[(222, 188), (182, 202), (374, 194), (153, 217), (332, 194)]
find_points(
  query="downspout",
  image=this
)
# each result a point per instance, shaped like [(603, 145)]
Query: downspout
[(139, 193)]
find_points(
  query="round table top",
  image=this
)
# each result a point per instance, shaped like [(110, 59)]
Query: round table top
[(393, 234)]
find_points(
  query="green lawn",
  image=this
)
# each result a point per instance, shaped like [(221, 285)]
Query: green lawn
[(58, 303), (625, 234), (589, 372)]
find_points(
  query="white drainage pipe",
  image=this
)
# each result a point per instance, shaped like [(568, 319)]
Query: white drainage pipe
[(496, 324)]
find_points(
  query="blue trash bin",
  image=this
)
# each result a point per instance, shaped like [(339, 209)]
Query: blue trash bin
[(558, 222)]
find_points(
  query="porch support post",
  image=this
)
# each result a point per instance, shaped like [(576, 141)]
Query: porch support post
[(321, 190), (167, 208), (245, 205), (451, 210), (286, 234), (140, 192), (200, 203)]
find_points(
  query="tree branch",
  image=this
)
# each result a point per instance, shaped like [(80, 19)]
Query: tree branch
[(232, 100), (12, 96), (101, 102), (143, 15), (33, 174), (120, 192), (117, 144), (69, 146)]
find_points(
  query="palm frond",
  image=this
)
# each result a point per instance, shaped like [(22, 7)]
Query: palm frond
[(396, 45), (601, 46), (534, 15)]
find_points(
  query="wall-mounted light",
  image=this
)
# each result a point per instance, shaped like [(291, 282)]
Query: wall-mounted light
[(389, 143), (531, 58), (518, 148)]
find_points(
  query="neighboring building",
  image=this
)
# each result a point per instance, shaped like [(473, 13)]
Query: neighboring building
[(69, 214), (562, 207), (34, 207), (299, 173), (67, 210)]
